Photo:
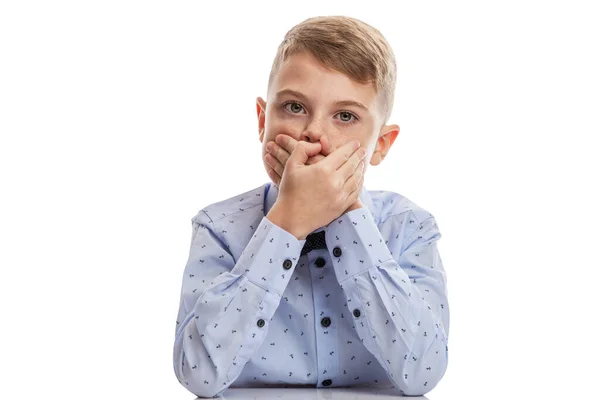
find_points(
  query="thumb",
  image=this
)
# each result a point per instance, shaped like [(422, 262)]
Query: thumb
[(302, 151)]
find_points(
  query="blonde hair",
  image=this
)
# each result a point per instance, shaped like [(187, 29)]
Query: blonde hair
[(346, 45)]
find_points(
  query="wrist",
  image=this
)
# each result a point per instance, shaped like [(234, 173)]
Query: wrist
[(277, 216)]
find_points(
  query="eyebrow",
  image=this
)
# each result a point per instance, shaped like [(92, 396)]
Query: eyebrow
[(305, 98)]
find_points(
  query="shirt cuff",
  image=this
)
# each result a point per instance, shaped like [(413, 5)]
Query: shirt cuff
[(355, 243), (270, 257)]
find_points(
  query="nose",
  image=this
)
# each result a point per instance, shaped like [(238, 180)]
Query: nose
[(313, 131)]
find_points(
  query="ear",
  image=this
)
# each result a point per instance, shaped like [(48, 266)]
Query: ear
[(261, 108), (387, 136)]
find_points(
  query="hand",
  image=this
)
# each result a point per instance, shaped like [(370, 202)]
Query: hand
[(336, 179), (278, 157)]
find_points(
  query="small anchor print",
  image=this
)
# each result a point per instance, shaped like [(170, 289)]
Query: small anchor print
[(216, 325), (263, 358), (218, 346), (306, 353), (368, 362), (355, 242), (428, 368), (291, 355)]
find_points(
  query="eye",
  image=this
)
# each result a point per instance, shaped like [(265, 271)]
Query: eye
[(345, 116), (294, 105)]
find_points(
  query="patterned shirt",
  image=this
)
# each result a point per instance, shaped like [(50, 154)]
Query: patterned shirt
[(371, 309)]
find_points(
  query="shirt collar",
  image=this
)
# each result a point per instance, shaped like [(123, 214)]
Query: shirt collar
[(272, 191)]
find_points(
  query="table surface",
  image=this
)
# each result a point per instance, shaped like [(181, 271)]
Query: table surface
[(313, 393)]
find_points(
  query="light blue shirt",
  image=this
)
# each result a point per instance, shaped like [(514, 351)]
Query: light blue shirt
[(369, 310)]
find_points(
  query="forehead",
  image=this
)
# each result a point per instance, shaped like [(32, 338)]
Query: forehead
[(303, 73)]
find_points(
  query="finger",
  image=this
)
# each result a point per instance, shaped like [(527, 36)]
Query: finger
[(327, 146), (273, 175), (341, 154), (288, 143), (274, 164), (350, 166), (353, 186), (278, 153)]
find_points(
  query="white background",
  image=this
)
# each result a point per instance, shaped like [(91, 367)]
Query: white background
[(120, 120)]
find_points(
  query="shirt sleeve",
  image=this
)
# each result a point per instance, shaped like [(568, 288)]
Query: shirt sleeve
[(395, 287), (226, 306)]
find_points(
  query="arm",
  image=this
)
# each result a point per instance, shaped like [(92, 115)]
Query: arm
[(226, 306), (400, 291)]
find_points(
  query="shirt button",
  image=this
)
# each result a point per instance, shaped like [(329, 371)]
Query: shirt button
[(287, 264), (356, 312), (260, 323), (326, 382), (326, 322), (320, 262), (337, 252)]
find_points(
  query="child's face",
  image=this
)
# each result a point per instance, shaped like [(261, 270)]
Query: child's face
[(315, 115)]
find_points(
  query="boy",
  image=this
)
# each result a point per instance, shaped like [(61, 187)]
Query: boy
[(312, 280)]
